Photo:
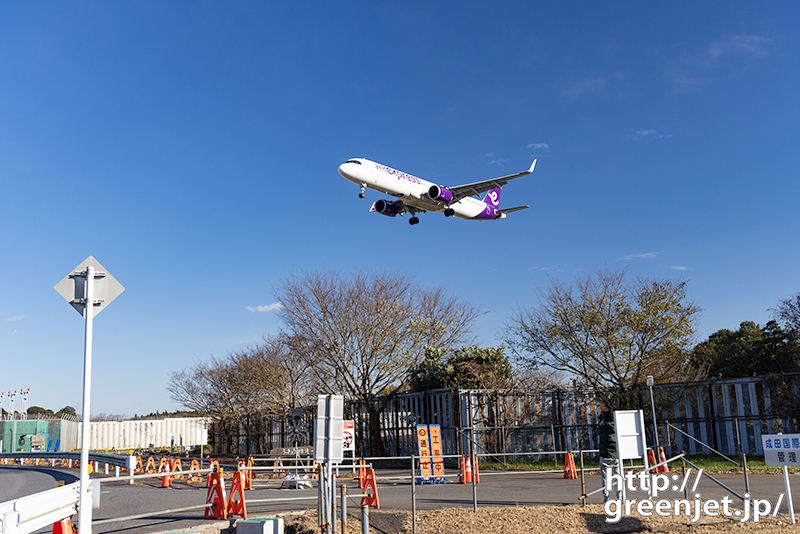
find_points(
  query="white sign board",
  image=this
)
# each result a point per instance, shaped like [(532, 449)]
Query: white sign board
[(348, 435), (73, 286), (629, 426), (328, 428), (781, 449)]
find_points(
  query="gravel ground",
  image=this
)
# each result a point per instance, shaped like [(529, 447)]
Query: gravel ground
[(526, 520)]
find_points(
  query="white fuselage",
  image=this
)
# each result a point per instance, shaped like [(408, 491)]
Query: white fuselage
[(411, 190)]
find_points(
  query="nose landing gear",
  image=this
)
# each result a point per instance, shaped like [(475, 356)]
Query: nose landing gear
[(361, 194)]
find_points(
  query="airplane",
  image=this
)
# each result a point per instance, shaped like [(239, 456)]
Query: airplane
[(415, 195)]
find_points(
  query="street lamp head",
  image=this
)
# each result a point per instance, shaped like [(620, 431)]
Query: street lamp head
[(650, 380)]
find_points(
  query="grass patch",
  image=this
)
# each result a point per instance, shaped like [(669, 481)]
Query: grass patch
[(711, 464)]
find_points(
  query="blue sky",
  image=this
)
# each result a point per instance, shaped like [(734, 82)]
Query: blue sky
[(192, 148)]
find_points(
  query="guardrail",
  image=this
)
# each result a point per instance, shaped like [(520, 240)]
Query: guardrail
[(31, 513), (117, 460)]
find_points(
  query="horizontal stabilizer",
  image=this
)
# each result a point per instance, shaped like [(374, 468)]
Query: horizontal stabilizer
[(509, 210)]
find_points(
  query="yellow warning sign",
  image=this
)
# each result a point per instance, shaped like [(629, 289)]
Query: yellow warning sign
[(436, 450), (423, 445)]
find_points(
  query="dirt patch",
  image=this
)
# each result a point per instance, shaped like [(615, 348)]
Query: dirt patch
[(526, 520)]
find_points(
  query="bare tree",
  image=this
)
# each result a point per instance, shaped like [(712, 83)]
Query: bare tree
[(609, 333), (362, 334), (245, 387), (788, 312)]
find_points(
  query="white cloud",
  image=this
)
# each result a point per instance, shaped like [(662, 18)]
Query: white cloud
[(14, 332), (537, 146), (653, 134), (643, 256), (748, 47), (15, 318), (267, 308), (679, 268)]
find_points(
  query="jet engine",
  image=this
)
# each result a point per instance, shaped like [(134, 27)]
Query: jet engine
[(442, 194), (390, 208)]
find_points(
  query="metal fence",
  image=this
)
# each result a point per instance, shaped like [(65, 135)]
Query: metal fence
[(506, 421)]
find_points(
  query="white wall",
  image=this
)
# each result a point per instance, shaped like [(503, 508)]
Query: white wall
[(138, 434)]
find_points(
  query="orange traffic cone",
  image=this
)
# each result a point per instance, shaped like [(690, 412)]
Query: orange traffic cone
[(467, 477), (662, 458)]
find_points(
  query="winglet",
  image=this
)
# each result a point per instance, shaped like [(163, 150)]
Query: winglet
[(532, 166)]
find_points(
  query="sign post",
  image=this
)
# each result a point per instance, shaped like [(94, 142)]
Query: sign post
[(89, 289), (631, 443), (328, 449), (784, 450)]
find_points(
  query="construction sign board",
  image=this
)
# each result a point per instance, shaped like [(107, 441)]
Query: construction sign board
[(435, 433), (423, 447)]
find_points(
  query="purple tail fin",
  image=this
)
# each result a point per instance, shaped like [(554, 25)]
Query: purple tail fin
[(492, 198)]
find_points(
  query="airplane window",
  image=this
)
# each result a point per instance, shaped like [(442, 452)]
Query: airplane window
[(353, 161)]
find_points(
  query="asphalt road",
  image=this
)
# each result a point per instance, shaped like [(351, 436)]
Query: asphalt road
[(120, 499)]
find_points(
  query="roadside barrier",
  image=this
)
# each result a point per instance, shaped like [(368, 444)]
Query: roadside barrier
[(569, 466), (64, 526), (177, 468), (651, 459), (236, 503), (150, 466), (216, 497), (34, 512), (190, 479), (362, 474), (370, 500)]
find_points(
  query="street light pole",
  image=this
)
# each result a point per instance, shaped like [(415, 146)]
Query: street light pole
[(653, 408)]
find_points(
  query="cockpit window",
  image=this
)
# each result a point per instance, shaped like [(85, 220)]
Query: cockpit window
[(353, 161)]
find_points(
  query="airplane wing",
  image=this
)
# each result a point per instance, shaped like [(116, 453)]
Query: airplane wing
[(478, 188), (510, 210)]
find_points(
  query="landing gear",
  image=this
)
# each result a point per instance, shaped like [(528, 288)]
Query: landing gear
[(361, 194), (414, 219), (449, 212)]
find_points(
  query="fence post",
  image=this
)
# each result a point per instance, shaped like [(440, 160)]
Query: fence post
[(413, 498), (365, 519), (344, 508), (583, 482), (9, 523)]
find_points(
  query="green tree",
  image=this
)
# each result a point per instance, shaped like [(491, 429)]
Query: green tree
[(608, 332), (467, 367), (749, 351), (67, 410), (38, 410)]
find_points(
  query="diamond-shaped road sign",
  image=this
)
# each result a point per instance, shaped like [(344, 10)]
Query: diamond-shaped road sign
[(73, 286)]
